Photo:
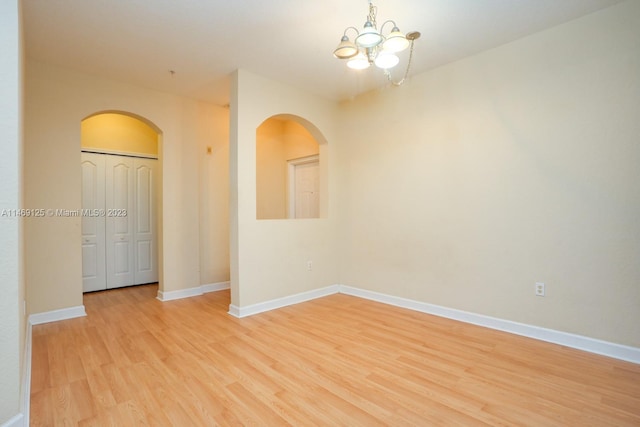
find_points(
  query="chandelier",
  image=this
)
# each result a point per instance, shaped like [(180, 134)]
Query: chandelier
[(373, 47)]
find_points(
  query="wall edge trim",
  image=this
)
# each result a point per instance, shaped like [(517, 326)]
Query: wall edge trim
[(179, 294), (57, 315), (579, 342), (192, 292), (215, 287), (25, 398), (273, 304), (234, 310), (119, 153)]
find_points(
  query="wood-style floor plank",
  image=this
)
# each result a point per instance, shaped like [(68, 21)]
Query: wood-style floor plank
[(337, 360)]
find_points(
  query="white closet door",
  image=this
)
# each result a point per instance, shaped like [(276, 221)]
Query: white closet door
[(146, 246), (119, 227), (94, 276), (307, 190)]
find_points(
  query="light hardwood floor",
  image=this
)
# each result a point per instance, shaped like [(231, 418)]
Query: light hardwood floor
[(337, 360)]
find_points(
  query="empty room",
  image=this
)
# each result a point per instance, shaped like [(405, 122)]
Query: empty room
[(320, 213)]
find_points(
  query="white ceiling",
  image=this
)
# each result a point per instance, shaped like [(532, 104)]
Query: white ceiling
[(140, 41)]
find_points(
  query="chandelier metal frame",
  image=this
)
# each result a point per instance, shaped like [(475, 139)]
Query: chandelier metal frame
[(372, 47)]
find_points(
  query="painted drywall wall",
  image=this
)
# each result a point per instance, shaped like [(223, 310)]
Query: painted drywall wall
[(119, 133), (515, 166), (271, 176), (56, 102), (298, 141), (214, 194), (11, 314), (22, 291), (269, 257)]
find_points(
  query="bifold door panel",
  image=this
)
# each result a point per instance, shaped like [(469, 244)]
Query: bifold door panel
[(119, 245)]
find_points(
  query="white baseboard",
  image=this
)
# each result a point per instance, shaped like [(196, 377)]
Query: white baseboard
[(25, 401), (234, 310), (179, 294), (215, 287), (16, 421), (22, 419), (56, 315), (282, 302), (192, 292), (592, 345), (605, 348)]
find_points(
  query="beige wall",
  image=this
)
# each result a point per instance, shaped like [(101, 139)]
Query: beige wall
[(12, 319), (56, 102), (473, 181), (269, 258), (120, 133), (298, 141), (271, 172), (214, 194)]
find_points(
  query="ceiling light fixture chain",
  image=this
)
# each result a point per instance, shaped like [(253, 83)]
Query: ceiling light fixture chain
[(406, 71), (373, 11), (372, 47)]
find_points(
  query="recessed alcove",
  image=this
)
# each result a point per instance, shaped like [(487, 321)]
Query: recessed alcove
[(288, 165)]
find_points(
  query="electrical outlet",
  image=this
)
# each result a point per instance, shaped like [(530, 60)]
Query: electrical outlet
[(539, 289), (309, 265)]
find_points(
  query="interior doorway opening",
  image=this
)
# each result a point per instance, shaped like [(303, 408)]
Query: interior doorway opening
[(120, 201), (303, 176)]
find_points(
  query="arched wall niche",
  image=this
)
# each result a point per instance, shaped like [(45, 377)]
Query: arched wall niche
[(290, 166), (115, 131)]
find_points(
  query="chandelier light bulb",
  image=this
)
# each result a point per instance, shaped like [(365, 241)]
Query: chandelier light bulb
[(359, 62), (396, 41), (386, 60)]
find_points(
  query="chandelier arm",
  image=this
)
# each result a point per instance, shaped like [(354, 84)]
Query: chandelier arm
[(406, 73), (385, 23), (351, 28)]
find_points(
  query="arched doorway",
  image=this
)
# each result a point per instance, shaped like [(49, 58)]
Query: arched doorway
[(120, 192)]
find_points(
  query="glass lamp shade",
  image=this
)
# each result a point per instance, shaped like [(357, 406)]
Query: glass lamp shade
[(396, 41), (369, 37), (346, 49), (386, 60), (358, 62)]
